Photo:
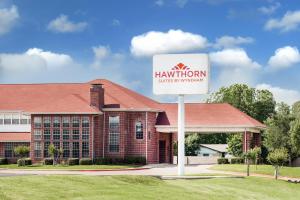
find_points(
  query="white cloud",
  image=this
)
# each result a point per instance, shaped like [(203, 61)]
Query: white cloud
[(233, 58), (33, 60), (284, 57), (8, 18), (62, 24), (235, 67), (181, 3), (159, 2), (116, 22), (230, 41), (268, 10), (173, 41), (281, 95), (104, 57), (290, 21)]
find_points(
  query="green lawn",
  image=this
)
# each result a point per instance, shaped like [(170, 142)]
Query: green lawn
[(67, 167), (261, 169), (142, 187)]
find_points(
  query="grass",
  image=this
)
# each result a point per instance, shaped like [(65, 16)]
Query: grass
[(67, 167), (261, 169), (142, 187)]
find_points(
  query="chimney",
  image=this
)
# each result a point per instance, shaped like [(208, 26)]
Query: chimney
[(97, 95)]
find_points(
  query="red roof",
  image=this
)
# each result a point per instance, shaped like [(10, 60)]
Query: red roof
[(68, 97), (207, 114), (15, 137)]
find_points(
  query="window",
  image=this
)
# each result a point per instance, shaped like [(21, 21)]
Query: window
[(8, 150), (56, 145), (56, 122), (75, 122), (75, 150), (7, 118), (75, 134), (37, 149), (46, 149), (1, 118), (85, 134), (66, 122), (37, 133), (47, 122), (25, 119), (66, 149), (205, 154), (56, 134), (85, 149), (139, 130), (37, 122), (47, 134), (15, 119), (85, 122), (66, 134), (114, 133)]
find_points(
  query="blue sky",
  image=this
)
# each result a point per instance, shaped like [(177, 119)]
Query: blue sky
[(249, 41)]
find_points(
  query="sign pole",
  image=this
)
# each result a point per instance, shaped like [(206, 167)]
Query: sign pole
[(180, 133)]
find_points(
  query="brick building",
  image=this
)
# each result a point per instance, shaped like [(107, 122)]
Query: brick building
[(103, 119)]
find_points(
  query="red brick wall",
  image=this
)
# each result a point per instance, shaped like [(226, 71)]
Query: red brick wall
[(247, 138), (152, 139), (1, 150)]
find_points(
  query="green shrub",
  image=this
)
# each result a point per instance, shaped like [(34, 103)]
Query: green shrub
[(135, 160), (85, 161), (236, 161), (223, 161), (48, 161), (119, 161), (3, 161), (73, 161), (24, 162)]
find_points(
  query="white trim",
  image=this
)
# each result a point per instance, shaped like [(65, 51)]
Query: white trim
[(62, 113), (132, 109), (209, 129)]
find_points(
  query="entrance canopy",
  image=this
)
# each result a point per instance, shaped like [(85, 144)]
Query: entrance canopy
[(207, 118)]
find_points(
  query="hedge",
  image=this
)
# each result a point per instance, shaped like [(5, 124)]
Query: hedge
[(73, 161), (85, 161), (138, 160), (3, 161), (236, 161), (48, 161), (223, 161), (24, 162)]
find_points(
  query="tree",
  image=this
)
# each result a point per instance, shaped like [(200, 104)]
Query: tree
[(249, 156), (277, 134), (259, 104), (192, 144), (295, 137), (257, 154), (22, 152), (278, 158), (296, 110), (55, 154), (235, 145)]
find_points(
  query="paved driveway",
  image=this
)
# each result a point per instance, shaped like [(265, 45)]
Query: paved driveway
[(159, 170)]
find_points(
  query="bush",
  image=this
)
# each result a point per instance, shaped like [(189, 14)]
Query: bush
[(119, 161), (3, 161), (24, 162), (223, 161), (237, 160), (48, 161), (73, 161), (135, 160), (85, 161)]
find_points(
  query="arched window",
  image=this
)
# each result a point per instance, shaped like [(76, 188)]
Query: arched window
[(139, 130)]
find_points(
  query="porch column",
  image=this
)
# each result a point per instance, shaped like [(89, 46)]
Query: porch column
[(247, 137)]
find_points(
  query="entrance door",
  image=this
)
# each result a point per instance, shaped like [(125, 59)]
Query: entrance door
[(162, 151)]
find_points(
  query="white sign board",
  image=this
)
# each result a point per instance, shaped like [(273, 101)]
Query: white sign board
[(180, 74)]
